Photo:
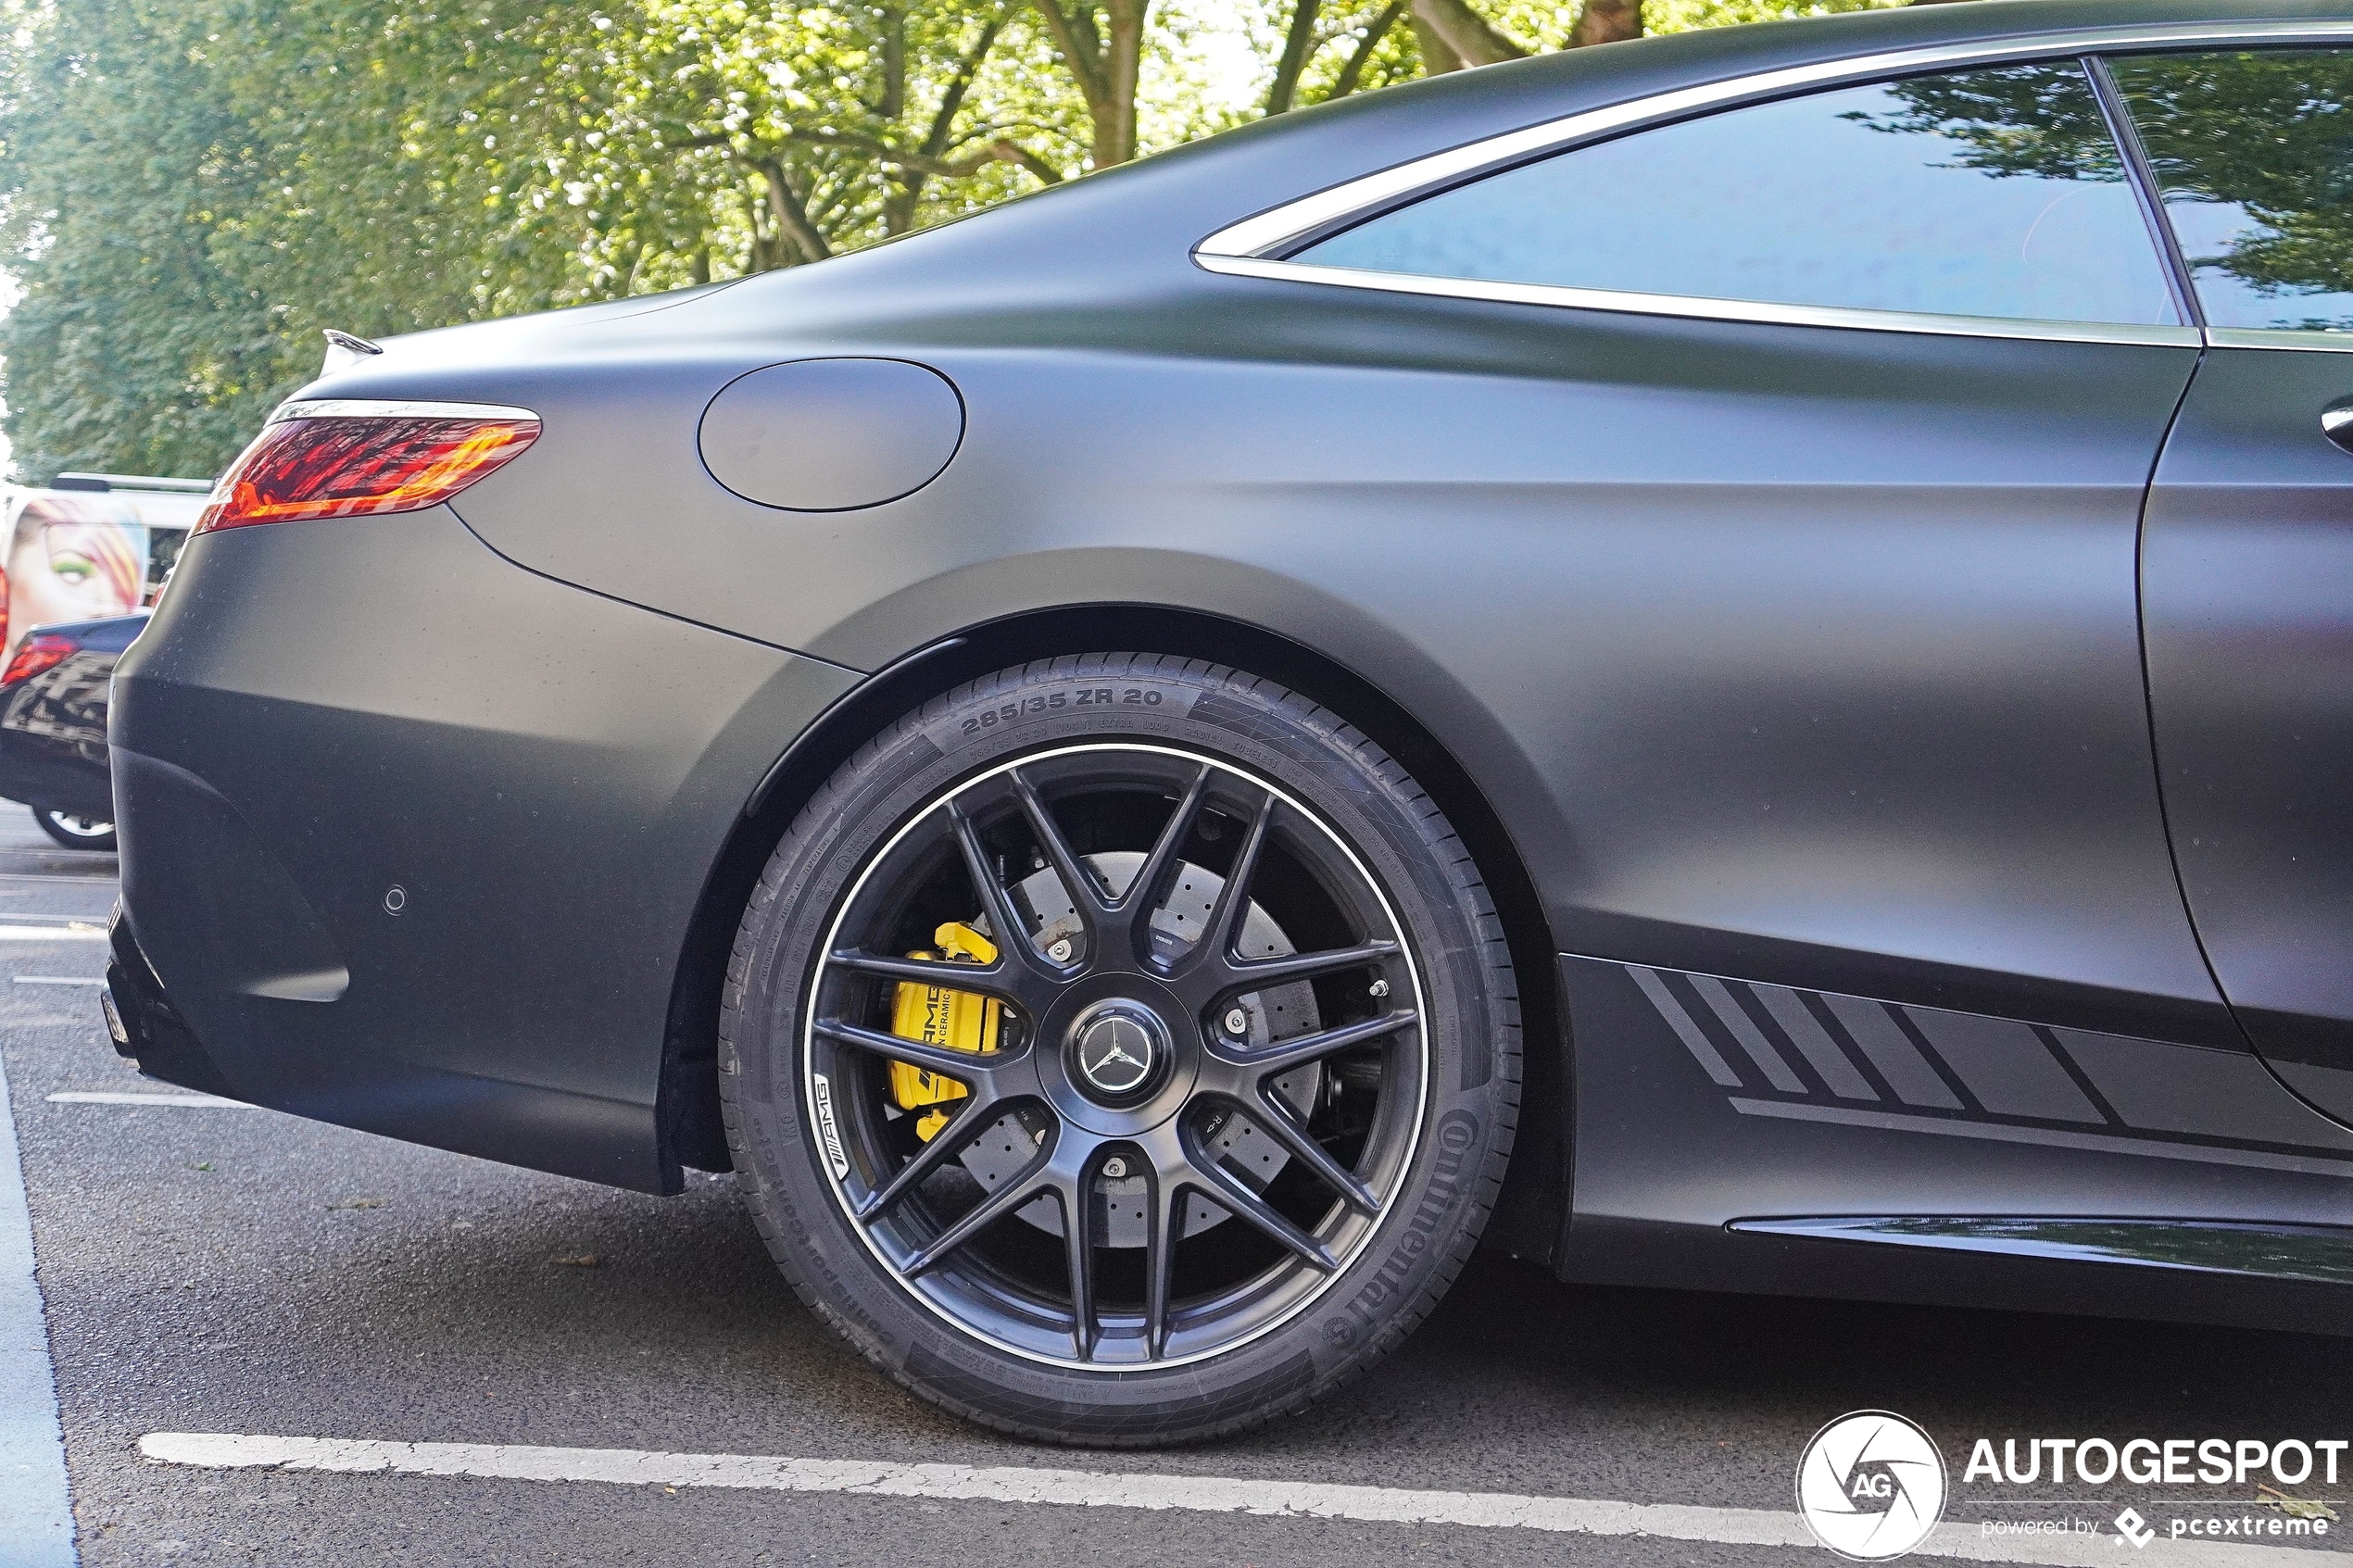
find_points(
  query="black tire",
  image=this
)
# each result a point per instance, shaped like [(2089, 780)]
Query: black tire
[(1352, 1308), (75, 831)]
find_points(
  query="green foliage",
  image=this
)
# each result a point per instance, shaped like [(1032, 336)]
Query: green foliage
[(2016, 119), (191, 189), (143, 350)]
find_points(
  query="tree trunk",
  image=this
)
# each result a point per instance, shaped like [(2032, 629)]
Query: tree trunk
[(1116, 122), (1104, 59), (1472, 38), (1607, 22)]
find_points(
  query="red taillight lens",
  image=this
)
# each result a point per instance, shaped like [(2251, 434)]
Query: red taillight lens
[(347, 465), (43, 650)]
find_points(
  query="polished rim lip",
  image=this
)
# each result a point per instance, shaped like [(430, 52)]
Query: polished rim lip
[(807, 1068), (1249, 247)]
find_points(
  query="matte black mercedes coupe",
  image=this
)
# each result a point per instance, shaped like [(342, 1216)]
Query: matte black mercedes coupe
[(1725, 662)]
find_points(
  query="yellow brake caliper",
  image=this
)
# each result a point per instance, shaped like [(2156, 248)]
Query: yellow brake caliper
[(962, 1021)]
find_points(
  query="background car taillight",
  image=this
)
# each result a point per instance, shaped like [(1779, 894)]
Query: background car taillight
[(346, 459), (43, 650)]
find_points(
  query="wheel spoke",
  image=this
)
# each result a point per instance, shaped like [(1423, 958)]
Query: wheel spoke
[(993, 980), (966, 1067), (1078, 880), (1164, 1223), (1014, 1193), (1228, 1193), (1277, 1122), (972, 1117), (1143, 893), (1303, 966), (1225, 920), (1012, 936), (1300, 1049), (1078, 1246)]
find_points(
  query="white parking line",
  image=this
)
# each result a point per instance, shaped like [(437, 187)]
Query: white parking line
[(79, 933), (37, 1519), (118, 1097), (61, 979), (1203, 1494)]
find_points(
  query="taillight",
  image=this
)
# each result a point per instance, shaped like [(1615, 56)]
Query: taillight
[(43, 650), (339, 457)]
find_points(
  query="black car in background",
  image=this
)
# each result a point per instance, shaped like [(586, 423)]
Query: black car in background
[(53, 727), (1725, 662)]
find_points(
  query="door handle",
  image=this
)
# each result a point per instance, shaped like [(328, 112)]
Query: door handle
[(2336, 423)]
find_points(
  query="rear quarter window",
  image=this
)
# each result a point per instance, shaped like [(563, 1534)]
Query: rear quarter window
[(1992, 192)]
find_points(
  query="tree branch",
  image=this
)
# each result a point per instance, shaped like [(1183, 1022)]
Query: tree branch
[(1084, 59), (951, 100), (792, 218), (1437, 55), (1004, 149), (1299, 43), (1472, 38), (1354, 71)]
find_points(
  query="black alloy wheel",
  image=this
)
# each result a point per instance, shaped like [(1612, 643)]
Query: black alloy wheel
[(1224, 1088)]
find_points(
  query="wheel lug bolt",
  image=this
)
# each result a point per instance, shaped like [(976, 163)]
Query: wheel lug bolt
[(1115, 1167), (1061, 950), (1237, 1022)]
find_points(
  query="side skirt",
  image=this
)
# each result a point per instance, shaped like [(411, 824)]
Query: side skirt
[(1743, 1136)]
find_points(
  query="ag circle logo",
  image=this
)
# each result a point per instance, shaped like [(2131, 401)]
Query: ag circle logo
[(1871, 1486)]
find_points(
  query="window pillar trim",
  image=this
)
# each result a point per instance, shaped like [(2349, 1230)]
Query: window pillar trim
[(1697, 308)]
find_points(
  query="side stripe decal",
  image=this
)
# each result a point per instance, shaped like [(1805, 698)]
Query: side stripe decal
[(2021, 1082), (1898, 1061), (1789, 1010), (2005, 1066), (1768, 1060), (1685, 1030)]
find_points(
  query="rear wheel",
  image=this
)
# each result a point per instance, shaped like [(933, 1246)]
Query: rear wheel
[(75, 831), (1121, 1049)]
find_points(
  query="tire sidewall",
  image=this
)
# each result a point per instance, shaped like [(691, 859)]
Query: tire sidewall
[(1367, 799)]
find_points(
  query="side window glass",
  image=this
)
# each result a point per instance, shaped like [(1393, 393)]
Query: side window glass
[(1985, 193), (2254, 153)]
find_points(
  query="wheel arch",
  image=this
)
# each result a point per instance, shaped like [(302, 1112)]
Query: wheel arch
[(1532, 1213)]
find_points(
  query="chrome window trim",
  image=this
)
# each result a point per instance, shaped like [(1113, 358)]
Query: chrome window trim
[(1244, 249), (373, 408), (2293, 338), (1698, 308)]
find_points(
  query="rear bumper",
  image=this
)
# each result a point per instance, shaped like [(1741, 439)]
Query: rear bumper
[(143, 1024), (411, 837)]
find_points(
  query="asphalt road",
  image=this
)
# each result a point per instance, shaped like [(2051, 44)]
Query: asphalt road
[(236, 1271)]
